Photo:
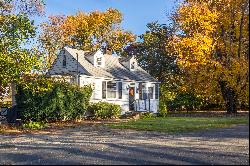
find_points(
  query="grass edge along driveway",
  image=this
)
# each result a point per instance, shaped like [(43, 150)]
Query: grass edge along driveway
[(180, 124)]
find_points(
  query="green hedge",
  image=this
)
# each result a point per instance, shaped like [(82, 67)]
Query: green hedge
[(184, 101), (43, 99), (104, 110)]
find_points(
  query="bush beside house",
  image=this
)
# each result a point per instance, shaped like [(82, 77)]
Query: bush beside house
[(184, 101), (104, 110), (43, 99)]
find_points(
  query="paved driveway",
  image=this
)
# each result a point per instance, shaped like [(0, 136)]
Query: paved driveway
[(100, 145)]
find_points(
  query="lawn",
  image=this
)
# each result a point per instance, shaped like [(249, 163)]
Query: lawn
[(180, 124)]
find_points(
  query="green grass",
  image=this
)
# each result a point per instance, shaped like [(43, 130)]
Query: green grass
[(180, 124)]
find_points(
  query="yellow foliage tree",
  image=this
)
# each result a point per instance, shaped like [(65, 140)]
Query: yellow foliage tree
[(86, 31), (212, 45)]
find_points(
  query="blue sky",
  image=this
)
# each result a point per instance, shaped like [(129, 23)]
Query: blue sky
[(136, 13)]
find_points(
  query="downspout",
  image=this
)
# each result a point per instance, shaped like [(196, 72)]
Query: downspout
[(77, 70)]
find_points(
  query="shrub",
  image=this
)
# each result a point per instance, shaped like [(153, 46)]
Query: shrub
[(43, 99), (184, 101), (34, 125), (162, 110), (146, 115), (104, 110)]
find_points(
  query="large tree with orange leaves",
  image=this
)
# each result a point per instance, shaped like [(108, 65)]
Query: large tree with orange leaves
[(85, 31), (212, 45)]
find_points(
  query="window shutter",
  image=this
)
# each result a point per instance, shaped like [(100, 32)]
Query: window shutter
[(120, 90), (104, 89)]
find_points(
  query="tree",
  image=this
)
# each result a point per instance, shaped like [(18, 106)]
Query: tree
[(51, 39), (16, 29), (212, 47), (160, 62), (85, 31), (152, 54)]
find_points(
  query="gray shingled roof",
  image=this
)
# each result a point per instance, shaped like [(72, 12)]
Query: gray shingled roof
[(119, 71), (113, 67), (92, 71)]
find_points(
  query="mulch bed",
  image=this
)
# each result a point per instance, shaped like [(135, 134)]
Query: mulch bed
[(54, 126)]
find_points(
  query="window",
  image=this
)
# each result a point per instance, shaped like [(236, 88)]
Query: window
[(104, 89), (156, 91), (150, 92), (99, 61), (111, 89), (142, 92), (132, 65), (120, 90), (64, 60)]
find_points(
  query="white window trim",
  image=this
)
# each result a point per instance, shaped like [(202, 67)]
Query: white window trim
[(108, 98), (144, 88), (152, 86), (117, 93), (97, 61), (158, 92)]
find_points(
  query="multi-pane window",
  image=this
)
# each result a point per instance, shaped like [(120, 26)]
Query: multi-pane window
[(147, 93), (99, 61), (120, 90), (150, 92), (111, 89), (132, 65), (156, 91), (142, 92)]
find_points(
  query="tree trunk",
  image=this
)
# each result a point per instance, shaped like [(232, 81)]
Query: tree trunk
[(229, 97)]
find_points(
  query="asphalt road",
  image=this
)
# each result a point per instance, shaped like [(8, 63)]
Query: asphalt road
[(100, 145)]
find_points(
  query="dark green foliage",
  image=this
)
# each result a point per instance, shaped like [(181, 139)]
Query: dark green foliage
[(51, 100), (152, 54), (184, 101), (104, 110)]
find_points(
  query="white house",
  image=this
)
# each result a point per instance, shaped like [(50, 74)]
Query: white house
[(114, 79)]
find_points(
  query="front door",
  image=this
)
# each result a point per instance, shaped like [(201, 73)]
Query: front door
[(131, 98)]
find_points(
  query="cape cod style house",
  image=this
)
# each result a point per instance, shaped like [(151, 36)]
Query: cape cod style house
[(114, 79)]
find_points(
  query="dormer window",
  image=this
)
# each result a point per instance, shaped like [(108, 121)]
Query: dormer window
[(132, 66), (99, 61)]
